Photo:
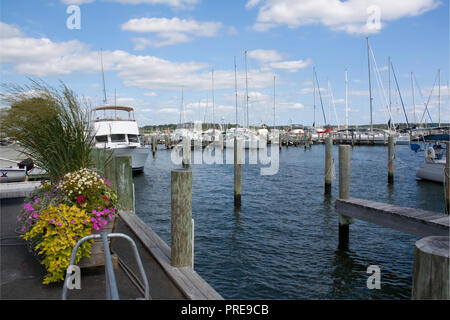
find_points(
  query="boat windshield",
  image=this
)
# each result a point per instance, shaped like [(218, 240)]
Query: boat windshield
[(101, 139), (118, 138), (133, 138)]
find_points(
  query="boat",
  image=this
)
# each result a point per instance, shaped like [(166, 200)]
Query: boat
[(12, 174), (121, 134), (433, 167)]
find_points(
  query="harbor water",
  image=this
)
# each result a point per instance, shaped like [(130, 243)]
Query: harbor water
[(283, 241)]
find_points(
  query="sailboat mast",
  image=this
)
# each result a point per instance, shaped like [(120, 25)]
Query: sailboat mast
[(370, 83), (274, 101), (235, 90), (314, 96), (390, 98), (212, 78), (181, 108), (246, 86), (439, 98), (413, 99), (346, 99)]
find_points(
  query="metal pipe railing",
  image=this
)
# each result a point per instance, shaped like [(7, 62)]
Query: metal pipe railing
[(111, 284)]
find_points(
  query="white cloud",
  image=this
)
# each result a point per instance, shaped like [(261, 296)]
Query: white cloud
[(45, 58), (173, 3), (264, 55), (170, 31), (252, 3), (291, 66), (308, 90), (77, 2), (179, 4), (9, 31), (350, 16)]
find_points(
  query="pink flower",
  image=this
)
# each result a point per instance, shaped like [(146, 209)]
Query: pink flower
[(22, 229), (35, 215), (36, 200), (72, 221), (60, 224)]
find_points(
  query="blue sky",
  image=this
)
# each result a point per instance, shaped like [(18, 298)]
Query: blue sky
[(154, 49)]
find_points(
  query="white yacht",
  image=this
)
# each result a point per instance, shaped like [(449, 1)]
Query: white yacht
[(119, 133)]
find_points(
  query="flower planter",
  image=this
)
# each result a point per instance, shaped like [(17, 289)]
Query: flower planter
[(97, 258)]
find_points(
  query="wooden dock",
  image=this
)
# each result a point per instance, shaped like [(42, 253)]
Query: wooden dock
[(416, 222)]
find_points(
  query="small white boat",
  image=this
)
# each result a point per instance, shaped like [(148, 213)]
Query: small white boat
[(12, 174), (433, 167)]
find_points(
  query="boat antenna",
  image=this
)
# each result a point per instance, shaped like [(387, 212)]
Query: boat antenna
[(103, 78)]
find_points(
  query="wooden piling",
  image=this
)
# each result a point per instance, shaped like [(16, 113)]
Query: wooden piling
[(391, 159), (431, 269), (154, 145), (181, 218), (344, 193), (124, 178), (328, 164), (447, 178), (237, 172), (186, 152)]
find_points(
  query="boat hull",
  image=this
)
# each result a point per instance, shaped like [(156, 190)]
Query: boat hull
[(432, 171), (11, 174), (138, 156)]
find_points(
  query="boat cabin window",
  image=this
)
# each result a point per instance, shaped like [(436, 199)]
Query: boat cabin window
[(133, 138), (118, 138), (101, 139)]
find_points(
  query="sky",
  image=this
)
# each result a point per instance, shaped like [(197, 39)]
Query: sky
[(163, 56)]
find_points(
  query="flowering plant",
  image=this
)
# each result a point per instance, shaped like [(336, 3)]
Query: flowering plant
[(58, 214)]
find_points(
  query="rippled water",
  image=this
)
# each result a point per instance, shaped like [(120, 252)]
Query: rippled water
[(282, 242)]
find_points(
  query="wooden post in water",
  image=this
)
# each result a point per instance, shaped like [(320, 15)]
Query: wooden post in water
[(344, 193), (181, 254), (447, 178), (154, 145), (186, 152), (391, 159), (431, 269), (328, 164), (237, 172), (124, 179)]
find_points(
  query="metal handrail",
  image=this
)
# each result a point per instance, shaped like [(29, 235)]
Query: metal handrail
[(111, 285)]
